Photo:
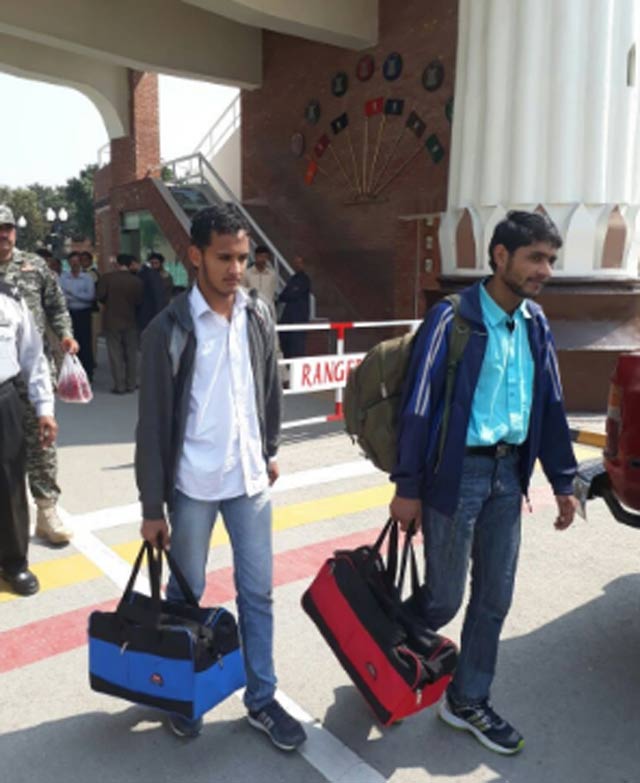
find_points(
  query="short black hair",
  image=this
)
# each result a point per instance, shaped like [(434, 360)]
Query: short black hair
[(520, 229), (125, 259), (219, 219), (74, 253), (87, 254), (156, 256), (44, 253), (262, 249)]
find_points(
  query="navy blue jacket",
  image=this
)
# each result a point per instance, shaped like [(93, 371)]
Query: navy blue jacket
[(416, 473)]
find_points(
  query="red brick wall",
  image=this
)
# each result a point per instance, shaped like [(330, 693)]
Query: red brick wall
[(143, 195), (360, 262), (133, 157)]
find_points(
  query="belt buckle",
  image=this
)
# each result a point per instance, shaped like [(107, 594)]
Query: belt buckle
[(502, 449)]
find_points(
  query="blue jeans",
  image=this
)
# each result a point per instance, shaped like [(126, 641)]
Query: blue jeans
[(485, 529), (248, 522)]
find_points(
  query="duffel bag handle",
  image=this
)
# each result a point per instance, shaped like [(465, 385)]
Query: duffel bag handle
[(187, 592), (408, 556), (391, 530), (154, 563)]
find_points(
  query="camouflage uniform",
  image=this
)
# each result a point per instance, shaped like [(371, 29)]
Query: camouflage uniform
[(41, 291)]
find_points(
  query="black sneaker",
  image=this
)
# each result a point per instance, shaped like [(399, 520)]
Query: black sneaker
[(484, 723), (284, 731), (187, 728)]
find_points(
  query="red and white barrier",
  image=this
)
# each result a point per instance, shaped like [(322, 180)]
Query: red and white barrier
[(318, 373)]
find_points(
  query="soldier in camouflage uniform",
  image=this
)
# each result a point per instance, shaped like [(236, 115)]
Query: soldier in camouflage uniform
[(43, 295)]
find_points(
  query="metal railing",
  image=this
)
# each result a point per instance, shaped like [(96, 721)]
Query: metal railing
[(195, 169), (312, 374), (222, 130)]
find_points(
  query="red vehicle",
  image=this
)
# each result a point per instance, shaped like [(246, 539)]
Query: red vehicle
[(616, 478)]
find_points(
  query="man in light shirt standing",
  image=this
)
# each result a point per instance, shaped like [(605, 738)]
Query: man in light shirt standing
[(207, 437), (262, 278), (80, 292)]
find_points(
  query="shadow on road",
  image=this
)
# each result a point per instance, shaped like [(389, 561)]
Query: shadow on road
[(136, 745), (571, 686)]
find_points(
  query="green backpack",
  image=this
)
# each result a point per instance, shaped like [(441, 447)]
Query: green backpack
[(374, 390)]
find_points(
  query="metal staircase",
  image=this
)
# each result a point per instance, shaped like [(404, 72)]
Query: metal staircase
[(192, 183)]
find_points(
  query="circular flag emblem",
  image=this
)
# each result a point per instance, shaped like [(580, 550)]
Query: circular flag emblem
[(392, 67), (365, 68), (433, 76), (340, 84), (312, 112)]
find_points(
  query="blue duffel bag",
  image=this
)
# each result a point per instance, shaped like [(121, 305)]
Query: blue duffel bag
[(179, 657)]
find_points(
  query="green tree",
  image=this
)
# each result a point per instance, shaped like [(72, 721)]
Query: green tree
[(24, 203), (78, 195)]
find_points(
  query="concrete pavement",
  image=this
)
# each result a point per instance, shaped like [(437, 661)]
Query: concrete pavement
[(568, 677)]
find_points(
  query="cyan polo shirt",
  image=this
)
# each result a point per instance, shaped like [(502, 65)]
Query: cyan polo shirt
[(503, 396)]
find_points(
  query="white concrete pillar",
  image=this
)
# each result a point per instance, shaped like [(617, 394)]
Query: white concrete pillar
[(547, 111)]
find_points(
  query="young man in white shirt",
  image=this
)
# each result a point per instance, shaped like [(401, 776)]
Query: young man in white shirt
[(207, 437)]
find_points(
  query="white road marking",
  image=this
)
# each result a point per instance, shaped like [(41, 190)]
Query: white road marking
[(106, 518), (331, 758), (109, 562)]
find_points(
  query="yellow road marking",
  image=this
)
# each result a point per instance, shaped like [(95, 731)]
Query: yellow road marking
[(61, 572), (75, 569), (297, 514)]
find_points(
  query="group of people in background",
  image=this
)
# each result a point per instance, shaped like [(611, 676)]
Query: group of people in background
[(68, 306), (120, 304), (291, 306)]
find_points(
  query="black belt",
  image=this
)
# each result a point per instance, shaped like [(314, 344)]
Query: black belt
[(496, 451)]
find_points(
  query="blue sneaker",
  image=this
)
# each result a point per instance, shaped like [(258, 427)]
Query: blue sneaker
[(484, 723), (186, 728), (284, 731)]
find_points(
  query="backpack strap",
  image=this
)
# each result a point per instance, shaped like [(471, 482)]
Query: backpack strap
[(458, 339)]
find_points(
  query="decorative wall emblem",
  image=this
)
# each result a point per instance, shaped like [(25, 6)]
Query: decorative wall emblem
[(448, 109), (373, 136), (298, 145), (433, 76), (392, 67), (312, 112), (365, 68), (339, 84)]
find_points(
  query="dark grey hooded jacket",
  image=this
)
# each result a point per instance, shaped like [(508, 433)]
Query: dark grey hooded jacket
[(166, 376)]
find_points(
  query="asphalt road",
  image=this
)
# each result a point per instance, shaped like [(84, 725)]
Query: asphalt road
[(569, 668)]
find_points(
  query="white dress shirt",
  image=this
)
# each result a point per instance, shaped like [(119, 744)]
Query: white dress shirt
[(222, 452), (265, 283), (21, 352)]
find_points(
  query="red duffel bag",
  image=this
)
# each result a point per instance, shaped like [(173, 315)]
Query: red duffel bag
[(398, 665)]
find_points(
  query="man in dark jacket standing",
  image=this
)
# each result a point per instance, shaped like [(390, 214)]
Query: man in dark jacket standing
[(207, 438), (295, 297), (121, 294), (506, 412)]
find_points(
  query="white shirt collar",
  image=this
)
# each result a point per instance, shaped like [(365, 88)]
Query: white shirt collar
[(200, 306)]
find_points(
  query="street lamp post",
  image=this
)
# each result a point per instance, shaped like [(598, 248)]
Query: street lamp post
[(21, 225), (55, 239)]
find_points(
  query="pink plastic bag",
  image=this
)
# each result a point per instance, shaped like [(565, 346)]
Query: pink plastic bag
[(73, 384)]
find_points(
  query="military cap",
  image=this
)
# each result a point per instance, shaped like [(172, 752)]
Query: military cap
[(6, 216)]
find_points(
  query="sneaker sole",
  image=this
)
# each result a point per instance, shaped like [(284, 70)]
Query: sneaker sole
[(457, 723), (257, 725)]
